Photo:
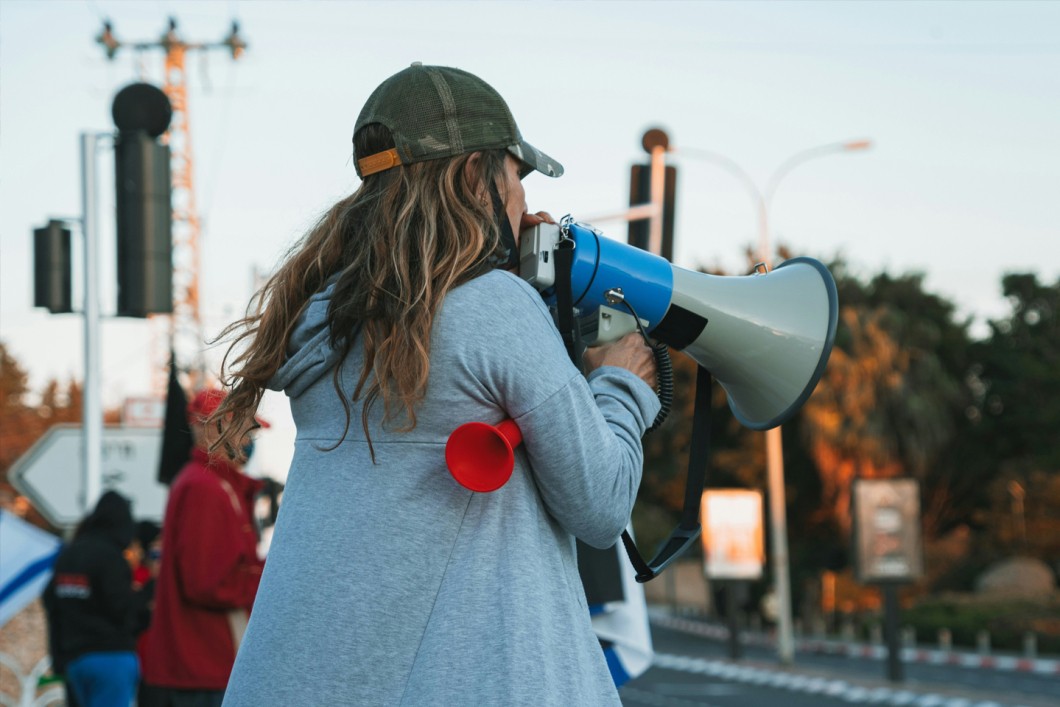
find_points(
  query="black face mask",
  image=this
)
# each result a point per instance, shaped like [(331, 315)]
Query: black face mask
[(508, 257)]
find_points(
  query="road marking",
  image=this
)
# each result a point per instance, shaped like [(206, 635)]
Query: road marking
[(710, 689), (839, 689), (638, 696)]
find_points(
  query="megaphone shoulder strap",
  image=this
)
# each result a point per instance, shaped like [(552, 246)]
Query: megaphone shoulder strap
[(686, 532), (698, 458), (565, 297)]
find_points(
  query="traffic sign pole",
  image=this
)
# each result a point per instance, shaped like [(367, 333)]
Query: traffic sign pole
[(92, 412)]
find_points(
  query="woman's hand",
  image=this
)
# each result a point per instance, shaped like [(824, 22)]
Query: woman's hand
[(629, 352), (531, 220)]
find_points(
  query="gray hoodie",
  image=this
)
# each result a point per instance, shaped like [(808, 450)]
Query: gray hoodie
[(391, 584)]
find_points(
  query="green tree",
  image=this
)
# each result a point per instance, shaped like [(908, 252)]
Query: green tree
[(1015, 375), (893, 399)]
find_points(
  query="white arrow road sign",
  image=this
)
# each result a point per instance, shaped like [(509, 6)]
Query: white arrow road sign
[(51, 474)]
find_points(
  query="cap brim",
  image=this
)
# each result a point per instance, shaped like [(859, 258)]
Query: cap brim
[(536, 159)]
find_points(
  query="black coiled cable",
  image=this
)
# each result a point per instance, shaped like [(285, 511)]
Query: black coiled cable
[(664, 366), (664, 376)]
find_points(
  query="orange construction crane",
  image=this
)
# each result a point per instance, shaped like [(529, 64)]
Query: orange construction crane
[(186, 334)]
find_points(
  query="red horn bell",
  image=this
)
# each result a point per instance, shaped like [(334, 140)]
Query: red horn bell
[(481, 457)]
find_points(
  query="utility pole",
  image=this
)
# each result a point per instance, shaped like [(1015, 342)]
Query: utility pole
[(655, 143), (652, 188), (186, 333)]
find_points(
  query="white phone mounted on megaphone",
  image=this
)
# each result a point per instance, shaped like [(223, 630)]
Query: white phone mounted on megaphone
[(537, 261)]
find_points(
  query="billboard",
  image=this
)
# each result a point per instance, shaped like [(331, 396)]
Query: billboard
[(733, 534), (886, 517)]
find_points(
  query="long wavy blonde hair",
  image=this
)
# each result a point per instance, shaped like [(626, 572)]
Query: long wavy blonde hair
[(399, 243)]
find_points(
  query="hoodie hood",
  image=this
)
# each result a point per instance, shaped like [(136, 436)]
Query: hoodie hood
[(309, 351), (111, 519)]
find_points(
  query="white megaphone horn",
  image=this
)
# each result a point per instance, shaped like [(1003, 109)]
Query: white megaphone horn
[(765, 337)]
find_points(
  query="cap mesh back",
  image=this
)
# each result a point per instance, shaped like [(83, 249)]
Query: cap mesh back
[(426, 124)]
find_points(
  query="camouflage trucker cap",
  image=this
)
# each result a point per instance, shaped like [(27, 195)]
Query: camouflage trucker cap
[(438, 111)]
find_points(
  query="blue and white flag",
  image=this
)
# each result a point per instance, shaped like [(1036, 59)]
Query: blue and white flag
[(27, 555)]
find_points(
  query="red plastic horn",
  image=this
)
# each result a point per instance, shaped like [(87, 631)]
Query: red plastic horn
[(480, 456)]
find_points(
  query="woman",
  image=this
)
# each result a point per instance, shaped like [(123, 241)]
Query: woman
[(93, 611), (394, 321)]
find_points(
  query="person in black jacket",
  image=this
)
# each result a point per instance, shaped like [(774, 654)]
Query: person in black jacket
[(93, 611)]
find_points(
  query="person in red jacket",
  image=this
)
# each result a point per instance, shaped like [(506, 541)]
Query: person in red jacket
[(209, 572)]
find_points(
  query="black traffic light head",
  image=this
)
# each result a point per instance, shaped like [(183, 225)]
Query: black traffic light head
[(144, 225), (51, 268), (144, 221)]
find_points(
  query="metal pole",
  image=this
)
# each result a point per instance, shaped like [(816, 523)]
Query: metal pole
[(658, 187), (890, 630), (778, 522), (778, 516), (633, 213), (92, 404), (733, 619)]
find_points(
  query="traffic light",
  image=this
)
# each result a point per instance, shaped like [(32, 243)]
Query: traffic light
[(145, 214), (640, 193), (51, 268)]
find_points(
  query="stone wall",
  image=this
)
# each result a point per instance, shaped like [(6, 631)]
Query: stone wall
[(25, 640)]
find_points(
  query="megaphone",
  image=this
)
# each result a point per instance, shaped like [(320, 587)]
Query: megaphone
[(765, 337), (481, 457)]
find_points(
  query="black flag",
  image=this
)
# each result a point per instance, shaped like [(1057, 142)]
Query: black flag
[(176, 437)]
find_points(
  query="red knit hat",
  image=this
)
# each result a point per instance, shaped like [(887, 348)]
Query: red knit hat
[(206, 402)]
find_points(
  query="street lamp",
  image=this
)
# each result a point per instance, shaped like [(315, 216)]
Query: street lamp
[(763, 198), (774, 446)]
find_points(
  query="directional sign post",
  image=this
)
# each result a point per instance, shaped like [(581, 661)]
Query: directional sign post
[(51, 474)]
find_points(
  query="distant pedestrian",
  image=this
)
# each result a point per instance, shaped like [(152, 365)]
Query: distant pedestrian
[(209, 570), (93, 611), (147, 550)]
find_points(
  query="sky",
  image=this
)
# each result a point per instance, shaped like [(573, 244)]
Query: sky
[(959, 100)]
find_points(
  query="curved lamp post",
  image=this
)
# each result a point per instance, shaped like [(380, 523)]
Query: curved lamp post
[(774, 447)]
